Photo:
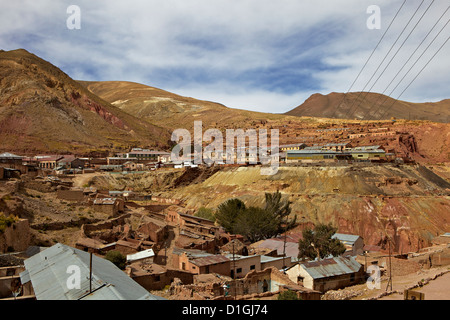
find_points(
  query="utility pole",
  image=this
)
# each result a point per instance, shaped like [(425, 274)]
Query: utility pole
[(90, 272), (389, 284), (234, 271)]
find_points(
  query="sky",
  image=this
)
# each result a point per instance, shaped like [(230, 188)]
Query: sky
[(258, 55)]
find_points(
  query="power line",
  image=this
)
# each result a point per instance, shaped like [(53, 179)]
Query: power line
[(365, 64), (392, 58), (404, 65), (387, 54), (415, 77)]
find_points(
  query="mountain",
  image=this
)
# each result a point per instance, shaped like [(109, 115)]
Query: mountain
[(171, 110), (43, 110), (370, 106)]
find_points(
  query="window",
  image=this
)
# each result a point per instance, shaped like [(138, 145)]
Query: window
[(252, 267), (239, 270)]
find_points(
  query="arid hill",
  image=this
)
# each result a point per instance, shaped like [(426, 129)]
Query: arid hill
[(171, 110), (370, 106), (43, 110)]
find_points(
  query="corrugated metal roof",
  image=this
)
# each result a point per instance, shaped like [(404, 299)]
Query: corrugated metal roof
[(331, 267), (210, 260), (48, 273), (347, 238), (291, 247), (10, 156), (105, 201), (140, 255)]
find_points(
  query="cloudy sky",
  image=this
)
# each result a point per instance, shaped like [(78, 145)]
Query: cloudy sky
[(260, 55)]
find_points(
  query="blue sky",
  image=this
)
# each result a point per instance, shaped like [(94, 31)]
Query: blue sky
[(260, 55)]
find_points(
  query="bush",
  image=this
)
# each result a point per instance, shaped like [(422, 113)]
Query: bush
[(288, 295), (6, 222), (117, 258)]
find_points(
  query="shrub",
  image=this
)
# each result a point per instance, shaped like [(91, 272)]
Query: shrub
[(288, 295), (117, 258)]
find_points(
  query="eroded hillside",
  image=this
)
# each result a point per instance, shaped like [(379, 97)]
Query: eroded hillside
[(410, 204)]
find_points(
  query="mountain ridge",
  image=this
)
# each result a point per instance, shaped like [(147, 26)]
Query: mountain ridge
[(370, 106), (43, 110)]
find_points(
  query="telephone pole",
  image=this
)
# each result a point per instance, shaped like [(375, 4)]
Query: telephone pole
[(389, 284)]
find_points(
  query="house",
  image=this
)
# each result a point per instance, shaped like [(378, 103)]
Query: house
[(337, 146), (146, 155), (48, 162), (327, 274), (276, 247), (117, 161), (128, 246), (296, 146), (154, 230), (8, 173), (110, 206), (241, 265), (353, 243), (309, 155), (269, 280), (65, 273), (66, 161), (80, 163), (12, 161), (133, 166), (200, 262)]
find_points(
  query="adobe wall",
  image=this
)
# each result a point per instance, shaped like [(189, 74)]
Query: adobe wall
[(16, 237), (159, 281)]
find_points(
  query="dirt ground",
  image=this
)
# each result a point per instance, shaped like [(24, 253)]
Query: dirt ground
[(438, 289)]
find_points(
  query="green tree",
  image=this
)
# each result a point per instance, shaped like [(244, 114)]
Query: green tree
[(205, 213), (288, 295), (227, 213), (318, 243), (280, 209), (256, 224), (117, 258)]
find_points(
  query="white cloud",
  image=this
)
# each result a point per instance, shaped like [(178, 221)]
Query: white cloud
[(212, 49)]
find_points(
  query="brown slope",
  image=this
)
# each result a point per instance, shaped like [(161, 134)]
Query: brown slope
[(43, 110), (365, 105), (171, 110)]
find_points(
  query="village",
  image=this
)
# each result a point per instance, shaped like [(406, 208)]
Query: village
[(170, 253)]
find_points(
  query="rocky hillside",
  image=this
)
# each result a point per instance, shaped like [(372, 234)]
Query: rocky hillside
[(410, 204), (370, 106), (43, 110)]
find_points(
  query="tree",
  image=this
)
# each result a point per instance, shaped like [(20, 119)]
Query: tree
[(117, 258), (280, 209), (318, 243), (256, 224), (227, 213), (205, 213), (253, 222)]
